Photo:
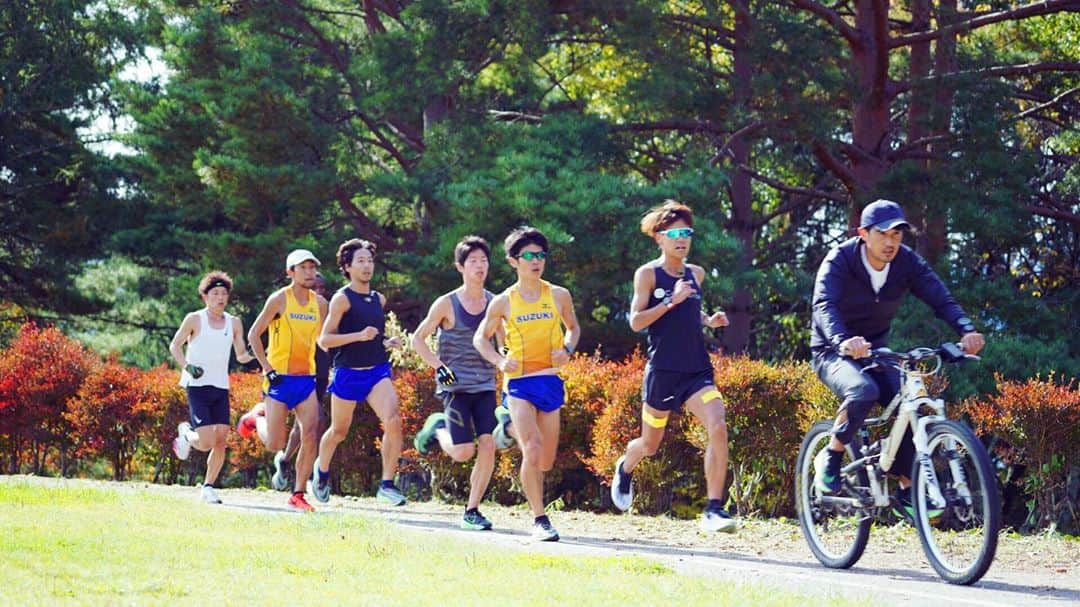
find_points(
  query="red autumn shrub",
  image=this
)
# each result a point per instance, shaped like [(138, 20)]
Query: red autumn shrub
[(39, 371), (768, 409), (167, 407), (110, 414), (1039, 422)]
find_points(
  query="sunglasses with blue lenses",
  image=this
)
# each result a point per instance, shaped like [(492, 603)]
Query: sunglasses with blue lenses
[(678, 232), (529, 255)]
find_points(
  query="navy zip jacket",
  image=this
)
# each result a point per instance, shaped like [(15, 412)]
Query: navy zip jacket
[(846, 306)]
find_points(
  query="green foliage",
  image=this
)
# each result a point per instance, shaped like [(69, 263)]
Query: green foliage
[(57, 196)]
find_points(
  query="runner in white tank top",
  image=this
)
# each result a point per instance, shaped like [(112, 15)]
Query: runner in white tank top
[(209, 333)]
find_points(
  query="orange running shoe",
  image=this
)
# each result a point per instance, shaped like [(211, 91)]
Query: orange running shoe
[(246, 425), (298, 503)]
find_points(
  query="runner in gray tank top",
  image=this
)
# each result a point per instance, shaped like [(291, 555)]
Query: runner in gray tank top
[(466, 382)]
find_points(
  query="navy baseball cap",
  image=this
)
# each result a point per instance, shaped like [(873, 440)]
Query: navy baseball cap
[(883, 215)]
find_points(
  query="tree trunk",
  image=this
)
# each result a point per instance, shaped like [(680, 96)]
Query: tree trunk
[(919, 121), (941, 123), (870, 115), (737, 334)]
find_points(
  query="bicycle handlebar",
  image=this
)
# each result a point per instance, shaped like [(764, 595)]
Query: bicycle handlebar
[(948, 352)]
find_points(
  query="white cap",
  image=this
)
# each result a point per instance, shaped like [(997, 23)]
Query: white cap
[(298, 257)]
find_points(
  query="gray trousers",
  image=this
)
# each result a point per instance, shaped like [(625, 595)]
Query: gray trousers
[(859, 390)]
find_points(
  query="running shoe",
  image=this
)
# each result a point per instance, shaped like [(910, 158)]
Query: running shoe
[(390, 495), (181, 446), (502, 437), (474, 521), (320, 483), (209, 496), (425, 438), (622, 488), (825, 483), (246, 425), (718, 520), (543, 531), (298, 503), (280, 480)]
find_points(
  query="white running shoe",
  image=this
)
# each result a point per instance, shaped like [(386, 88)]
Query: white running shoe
[(209, 496), (621, 499), (181, 446), (718, 520), (279, 481), (544, 532)]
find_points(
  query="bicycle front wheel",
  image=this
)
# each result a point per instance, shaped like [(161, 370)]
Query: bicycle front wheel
[(960, 534), (836, 532)]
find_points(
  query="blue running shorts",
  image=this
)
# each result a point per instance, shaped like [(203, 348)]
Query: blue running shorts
[(291, 389), (356, 384), (546, 392)]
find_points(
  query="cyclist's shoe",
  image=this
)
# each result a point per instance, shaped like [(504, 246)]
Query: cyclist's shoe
[(320, 483), (181, 446), (209, 496), (825, 483), (905, 508), (246, 425), (474, 521), (425, 438), (502, 437), (280, 480), (718, 520), (622, 488), (390, 495), (543, 531)]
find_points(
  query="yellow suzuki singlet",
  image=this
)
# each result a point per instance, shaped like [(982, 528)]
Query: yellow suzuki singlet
[(293, 334), (533, 331)]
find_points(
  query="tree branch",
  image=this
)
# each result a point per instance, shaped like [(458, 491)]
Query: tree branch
[(1031, 10), (1043, 106), (686, 126), (783, 187), (833, 18), (835, 166)]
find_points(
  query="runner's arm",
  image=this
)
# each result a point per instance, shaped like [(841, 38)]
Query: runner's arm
[(183, 334), (242, 355), (493, 320), (275, 305), (435, 317), (640, 315), (564, 302)]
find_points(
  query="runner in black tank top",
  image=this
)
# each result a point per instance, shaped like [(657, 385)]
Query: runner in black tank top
[(466, 381), (667, 301), (354, 330)]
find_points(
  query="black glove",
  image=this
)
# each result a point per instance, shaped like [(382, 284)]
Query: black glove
[(445, 376), (273, 377), (194, 370)]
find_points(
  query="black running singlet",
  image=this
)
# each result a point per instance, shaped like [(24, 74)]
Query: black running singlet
[(675, 339)]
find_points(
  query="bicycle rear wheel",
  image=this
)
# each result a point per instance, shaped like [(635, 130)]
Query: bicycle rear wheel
[(961, 542), (837, 533)]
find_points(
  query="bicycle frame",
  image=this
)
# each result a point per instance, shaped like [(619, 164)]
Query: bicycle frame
[(911, 397)]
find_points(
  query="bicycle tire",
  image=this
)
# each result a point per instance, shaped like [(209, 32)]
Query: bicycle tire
[(845, 544), (966, 527)]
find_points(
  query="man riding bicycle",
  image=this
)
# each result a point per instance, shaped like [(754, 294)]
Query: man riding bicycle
[(858, 289)]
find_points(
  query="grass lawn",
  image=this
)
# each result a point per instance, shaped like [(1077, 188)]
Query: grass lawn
[(79, 545)]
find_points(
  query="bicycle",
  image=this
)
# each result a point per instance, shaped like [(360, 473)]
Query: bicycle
[(951, 474)]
